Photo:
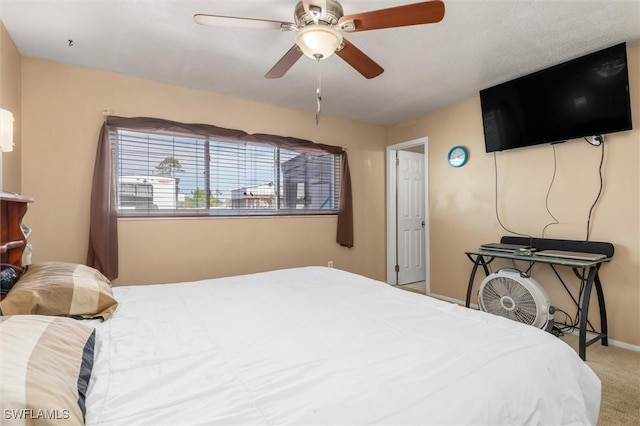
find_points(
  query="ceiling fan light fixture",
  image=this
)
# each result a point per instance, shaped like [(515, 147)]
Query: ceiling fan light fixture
[(318, 41)]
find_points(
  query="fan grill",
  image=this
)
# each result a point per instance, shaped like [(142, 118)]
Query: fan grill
[(508, 298)]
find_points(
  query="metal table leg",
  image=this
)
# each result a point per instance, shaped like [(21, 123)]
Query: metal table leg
[(479, 260), (584, 312)]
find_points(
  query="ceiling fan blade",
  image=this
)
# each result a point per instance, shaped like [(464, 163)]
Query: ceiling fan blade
[(282, 66), (359, 61), (427, 12), (231, 21)]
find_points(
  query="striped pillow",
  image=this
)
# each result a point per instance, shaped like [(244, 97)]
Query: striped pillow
[(61, 289), (45, 369)]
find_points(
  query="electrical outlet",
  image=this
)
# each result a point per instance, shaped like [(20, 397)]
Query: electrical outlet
[(330, 264)]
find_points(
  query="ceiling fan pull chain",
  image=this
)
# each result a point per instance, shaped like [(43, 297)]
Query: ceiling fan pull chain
[(318, 87)]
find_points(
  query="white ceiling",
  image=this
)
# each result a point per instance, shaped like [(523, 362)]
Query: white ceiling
[(479, 43)]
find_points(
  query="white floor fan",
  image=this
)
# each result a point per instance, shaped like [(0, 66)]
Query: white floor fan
[(515, 295)]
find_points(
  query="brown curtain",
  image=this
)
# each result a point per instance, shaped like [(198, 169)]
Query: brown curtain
[(103, 225), (103, 232), (344, 236)]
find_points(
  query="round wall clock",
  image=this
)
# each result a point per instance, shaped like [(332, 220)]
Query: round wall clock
[(458, 156)]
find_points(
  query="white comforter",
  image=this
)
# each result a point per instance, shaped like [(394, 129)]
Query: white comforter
[(322, 346)]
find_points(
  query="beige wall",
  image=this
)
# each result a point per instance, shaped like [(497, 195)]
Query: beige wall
[(462, 209), (10, 99), (62, 114)]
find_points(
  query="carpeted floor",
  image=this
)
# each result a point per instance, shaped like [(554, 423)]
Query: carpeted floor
[(619, 372)]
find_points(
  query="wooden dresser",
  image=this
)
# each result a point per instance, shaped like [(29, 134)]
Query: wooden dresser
[(12, 239)]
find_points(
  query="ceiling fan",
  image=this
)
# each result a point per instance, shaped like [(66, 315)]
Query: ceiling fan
[(319, 25)]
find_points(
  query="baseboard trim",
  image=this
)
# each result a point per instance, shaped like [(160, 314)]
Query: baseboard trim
[(575, 332), (612, 342)]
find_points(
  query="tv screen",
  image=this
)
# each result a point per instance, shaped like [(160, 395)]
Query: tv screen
[(586, 96)]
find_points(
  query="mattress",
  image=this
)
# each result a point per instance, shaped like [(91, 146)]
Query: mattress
[(322, 346)]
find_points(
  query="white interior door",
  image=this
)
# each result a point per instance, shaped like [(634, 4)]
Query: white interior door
[(410, 217)]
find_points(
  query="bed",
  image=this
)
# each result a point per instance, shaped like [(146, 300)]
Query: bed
[(317, 345), (310, 345)]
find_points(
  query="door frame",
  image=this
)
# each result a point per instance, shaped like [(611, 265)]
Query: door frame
[(392, 190)]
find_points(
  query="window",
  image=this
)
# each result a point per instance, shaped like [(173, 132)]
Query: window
[(162, 174), (167, 168)]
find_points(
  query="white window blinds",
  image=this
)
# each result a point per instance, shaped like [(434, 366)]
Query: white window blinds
[(161, 174)]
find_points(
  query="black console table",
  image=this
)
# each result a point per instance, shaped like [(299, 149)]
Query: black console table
[(483, 257)]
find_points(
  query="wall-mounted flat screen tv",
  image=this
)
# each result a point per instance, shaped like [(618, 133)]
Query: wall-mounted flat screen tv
[(583, 97)]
